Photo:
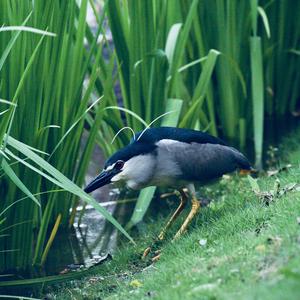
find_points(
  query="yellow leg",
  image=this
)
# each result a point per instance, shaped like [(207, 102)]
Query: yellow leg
[(183, 201), (193, 212)]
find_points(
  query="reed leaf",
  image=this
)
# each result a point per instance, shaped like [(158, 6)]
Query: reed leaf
[(257, 97), (12, 175)]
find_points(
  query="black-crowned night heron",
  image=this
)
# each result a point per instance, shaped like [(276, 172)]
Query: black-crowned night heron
[(171, 157)]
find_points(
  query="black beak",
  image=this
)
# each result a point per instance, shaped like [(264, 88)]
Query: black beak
[(101, 180)]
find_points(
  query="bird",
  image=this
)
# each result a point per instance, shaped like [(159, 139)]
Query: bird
[(171, 157)]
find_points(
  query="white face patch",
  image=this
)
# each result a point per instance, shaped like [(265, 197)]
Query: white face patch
[(110, 167), (117, 177), (136, 171)]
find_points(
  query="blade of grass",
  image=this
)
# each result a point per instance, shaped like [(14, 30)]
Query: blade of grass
[(11, 43), (192, 114), (257, 97), (26, 28), (51, 239), (12, 175), (60, 180)]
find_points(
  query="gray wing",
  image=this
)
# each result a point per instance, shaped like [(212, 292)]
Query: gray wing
[(205, 162)]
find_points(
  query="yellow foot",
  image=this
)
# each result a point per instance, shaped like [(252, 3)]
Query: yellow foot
[(193, 212), (146, 252), (183, 201), (179, 233), (161, 236), (156, 258)]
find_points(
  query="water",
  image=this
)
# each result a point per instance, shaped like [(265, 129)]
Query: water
[(92, 238), (89, 241)]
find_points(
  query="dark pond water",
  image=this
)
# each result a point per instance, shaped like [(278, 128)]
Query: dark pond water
[(89, 241), (92, 238)]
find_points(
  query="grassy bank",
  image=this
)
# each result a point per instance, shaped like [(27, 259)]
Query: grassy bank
[(250, 250)]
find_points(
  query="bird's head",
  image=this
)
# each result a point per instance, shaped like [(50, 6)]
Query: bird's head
[(127, 165)]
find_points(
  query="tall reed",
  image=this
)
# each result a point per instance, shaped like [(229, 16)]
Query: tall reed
[(235, 28), (163, 51), (43, 79), (154, 40), (150, 40)]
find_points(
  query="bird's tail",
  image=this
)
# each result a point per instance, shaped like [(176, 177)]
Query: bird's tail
[(248, 172), (243, 163), (245, 166)]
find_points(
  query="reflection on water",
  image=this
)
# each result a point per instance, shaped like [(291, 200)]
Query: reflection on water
[(91, 238)]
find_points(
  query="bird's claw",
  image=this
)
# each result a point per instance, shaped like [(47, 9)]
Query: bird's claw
[(161, 236), (156, 257), (146, 252)]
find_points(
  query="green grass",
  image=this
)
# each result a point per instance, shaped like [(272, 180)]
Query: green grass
[(252, 251), (218, 64)]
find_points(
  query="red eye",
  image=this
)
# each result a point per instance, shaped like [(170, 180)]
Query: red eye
[(119, 165)]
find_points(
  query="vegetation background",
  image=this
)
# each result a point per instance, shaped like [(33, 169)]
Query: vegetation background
[(218, 66)]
